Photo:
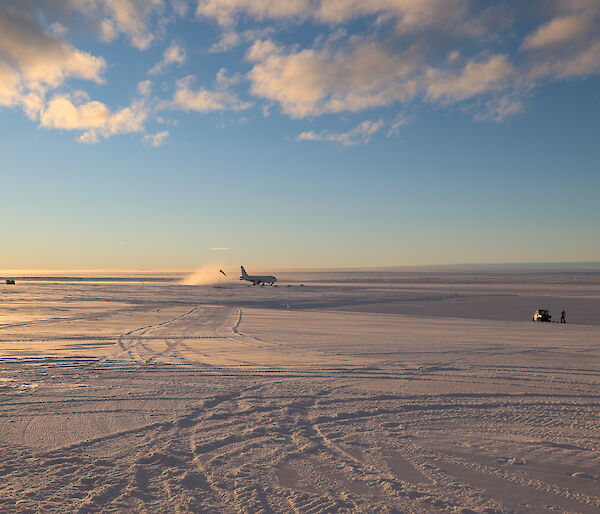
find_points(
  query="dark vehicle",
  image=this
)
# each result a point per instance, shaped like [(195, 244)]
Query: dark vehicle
[(10, 282), (542, 315)]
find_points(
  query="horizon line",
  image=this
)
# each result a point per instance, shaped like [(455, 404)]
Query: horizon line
[(488, 265)]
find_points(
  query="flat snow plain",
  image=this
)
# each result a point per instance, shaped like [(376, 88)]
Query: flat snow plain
[(356, 392)]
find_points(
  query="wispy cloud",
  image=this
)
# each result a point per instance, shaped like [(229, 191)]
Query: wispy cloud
[(220, 249), (174, 54), (475, 78), (129, 17), (500, 108), (408, 14), (568, 45), (156, 140), (225, 11), (230, 39), (560, 31), (360, 134), (398, 122), (144, 87), (221, 98)]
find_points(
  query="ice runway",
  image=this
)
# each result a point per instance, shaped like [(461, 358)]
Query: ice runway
[(133, 396)]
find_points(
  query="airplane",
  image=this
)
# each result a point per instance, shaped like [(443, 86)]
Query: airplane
[(257, 279)]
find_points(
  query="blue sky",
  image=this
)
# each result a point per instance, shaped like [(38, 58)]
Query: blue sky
[(298, 134)]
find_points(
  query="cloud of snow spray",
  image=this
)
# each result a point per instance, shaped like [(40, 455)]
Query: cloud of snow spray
[(205, 275)]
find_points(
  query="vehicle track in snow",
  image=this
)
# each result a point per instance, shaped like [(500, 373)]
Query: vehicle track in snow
[(193, 412)]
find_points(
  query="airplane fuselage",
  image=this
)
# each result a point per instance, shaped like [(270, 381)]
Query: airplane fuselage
[(260, 280)]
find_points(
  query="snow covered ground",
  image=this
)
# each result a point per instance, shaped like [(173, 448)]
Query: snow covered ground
[(356, 392)]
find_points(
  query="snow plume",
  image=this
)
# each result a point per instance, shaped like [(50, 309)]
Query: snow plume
[(205, 275)]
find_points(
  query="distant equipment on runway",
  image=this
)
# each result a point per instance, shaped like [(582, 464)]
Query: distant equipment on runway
[(10, 282), (542, 315), (260, 280)]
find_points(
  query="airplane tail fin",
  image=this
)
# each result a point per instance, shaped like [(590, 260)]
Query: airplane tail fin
[(244, 274)]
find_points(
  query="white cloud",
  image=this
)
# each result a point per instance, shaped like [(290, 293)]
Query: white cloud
[(35, 61), (475, 78), (584, 62), (262, 49), (560, 31), (130, 17), (409, 14), (10, 86), (574, 63), (229, 40), (205, 100), (108, 31), (95, 118), (360, 134), (144, 87), (225, 11), (40, 59), (156, 140), (62, 113), (438, 51), (174, 54), (127, 120), (33, 104), (313, 82), (568, 45), (352, 73), (224, 80)]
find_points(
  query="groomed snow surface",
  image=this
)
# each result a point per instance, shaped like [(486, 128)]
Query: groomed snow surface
[(356, 392)]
